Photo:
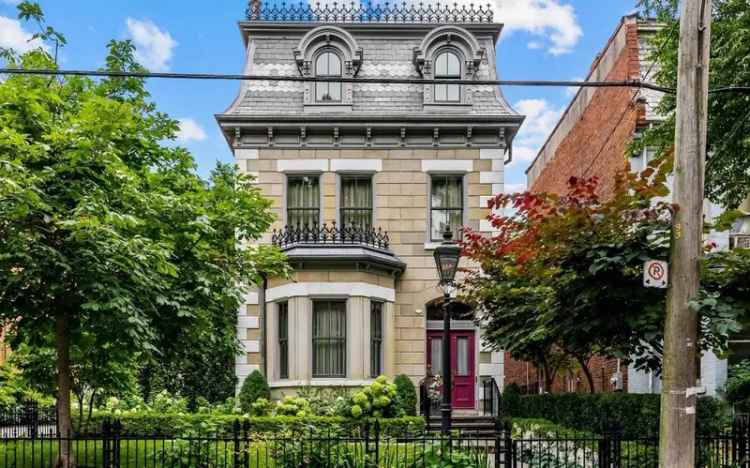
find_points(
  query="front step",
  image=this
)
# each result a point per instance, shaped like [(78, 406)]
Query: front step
[(484, 425)]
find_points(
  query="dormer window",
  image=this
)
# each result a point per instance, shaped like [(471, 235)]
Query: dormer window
[(447, 67), (328, 65)]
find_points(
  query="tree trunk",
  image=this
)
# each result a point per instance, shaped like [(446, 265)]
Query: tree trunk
[(64, 426), (91, 407), (585, 368)]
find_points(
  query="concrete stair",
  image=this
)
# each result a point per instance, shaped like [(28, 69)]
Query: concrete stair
[(469, 424)]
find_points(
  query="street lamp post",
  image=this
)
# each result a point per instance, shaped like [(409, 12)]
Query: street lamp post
[(447, 256)]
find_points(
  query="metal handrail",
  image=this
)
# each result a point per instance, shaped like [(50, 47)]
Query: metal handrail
[(491, 397), (290, 236), (356, 12)]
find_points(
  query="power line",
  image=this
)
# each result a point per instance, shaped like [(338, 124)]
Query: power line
[(231, 77)]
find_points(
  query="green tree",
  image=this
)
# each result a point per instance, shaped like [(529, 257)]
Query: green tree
[(727, 177), (108, 234), (562, 278)]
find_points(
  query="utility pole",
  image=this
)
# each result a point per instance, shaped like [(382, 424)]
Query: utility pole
[(679, 394)]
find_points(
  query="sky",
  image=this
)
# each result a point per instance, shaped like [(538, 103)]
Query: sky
[(542, 39)]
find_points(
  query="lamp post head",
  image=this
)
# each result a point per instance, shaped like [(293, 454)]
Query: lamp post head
[(447, 255)]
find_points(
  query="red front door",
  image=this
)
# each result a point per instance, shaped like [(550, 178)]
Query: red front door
[(462, 363)]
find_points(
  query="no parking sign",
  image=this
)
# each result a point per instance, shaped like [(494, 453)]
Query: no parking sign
[(655, 274)]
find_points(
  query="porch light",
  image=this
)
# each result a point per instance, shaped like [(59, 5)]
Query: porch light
[(447, 255)]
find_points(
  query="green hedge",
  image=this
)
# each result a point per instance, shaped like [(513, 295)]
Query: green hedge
[(187, 424), (637, 415)]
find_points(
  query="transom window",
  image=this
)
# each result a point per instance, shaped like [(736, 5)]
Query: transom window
[(328, 65), (376, 338), (356, 201), (446, 205), (303, 201), (329, 339), (283, 340), (447, 67)]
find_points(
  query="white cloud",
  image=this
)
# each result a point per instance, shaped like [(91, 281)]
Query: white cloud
[(541, 118), (13, 36), (554, 21), (515, 188), (190, 130), (154, 47)]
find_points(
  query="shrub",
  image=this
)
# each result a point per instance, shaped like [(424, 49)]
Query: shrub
[(738, 386), (254, 387), (293, 406), (636, 415), (377, 400), (406, 395), (180, 424)]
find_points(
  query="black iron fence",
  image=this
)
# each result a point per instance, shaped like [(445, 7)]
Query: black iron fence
[(28, 420), (367, 446)]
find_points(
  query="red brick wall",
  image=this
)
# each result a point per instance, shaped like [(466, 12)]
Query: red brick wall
[(597, 143), (595, 146)]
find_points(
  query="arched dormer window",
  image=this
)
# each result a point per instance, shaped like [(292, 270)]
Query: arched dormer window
[(447, 67), (328, 65)]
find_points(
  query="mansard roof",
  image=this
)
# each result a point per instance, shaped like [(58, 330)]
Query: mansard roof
[(374, 42)]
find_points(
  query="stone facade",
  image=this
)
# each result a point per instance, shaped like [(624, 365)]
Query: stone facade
[(399, 136)]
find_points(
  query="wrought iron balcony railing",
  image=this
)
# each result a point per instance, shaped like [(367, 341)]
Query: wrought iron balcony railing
[(356, 12), (331, 235)]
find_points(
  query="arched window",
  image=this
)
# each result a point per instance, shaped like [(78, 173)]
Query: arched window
[(447, 67), (328, 64)]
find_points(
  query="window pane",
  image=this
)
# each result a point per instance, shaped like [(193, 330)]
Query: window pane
[(334, 91), (453, 93), (436, 355), (356, 203), (462, 356), (452, 218), (453, 66), (321, 92), (441, 65), (447, 192), (376, 338), (328, 64), (329, 339), (441, 92), (303, 201), (283, 340)]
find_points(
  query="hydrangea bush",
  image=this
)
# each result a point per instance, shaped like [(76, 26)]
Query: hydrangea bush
[(376, 400)]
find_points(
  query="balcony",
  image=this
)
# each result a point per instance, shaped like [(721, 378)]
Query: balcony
[(364, 248)]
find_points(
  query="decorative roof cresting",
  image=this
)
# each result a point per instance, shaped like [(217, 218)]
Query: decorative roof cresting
[(356, 12)]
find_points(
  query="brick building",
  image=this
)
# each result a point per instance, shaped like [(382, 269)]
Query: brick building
[(591, 139), (364, 177)]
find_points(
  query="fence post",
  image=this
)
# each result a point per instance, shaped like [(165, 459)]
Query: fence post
[(510, 453), (366, 437), (377, 443), (116, 429), (603, 451), (236, 440), (247, 441), (106, 444)]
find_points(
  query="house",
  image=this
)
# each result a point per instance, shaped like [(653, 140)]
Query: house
[(364, 178), (592, 139)]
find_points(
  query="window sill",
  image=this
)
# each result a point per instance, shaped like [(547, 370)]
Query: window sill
[(339, 382), (431, 245)]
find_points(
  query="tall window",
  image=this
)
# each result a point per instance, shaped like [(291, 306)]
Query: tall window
[(356, 201), (283, 340), (328, 65), (329, 339), (376, 338), (446, 205), (303, 201), (447, 67)]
